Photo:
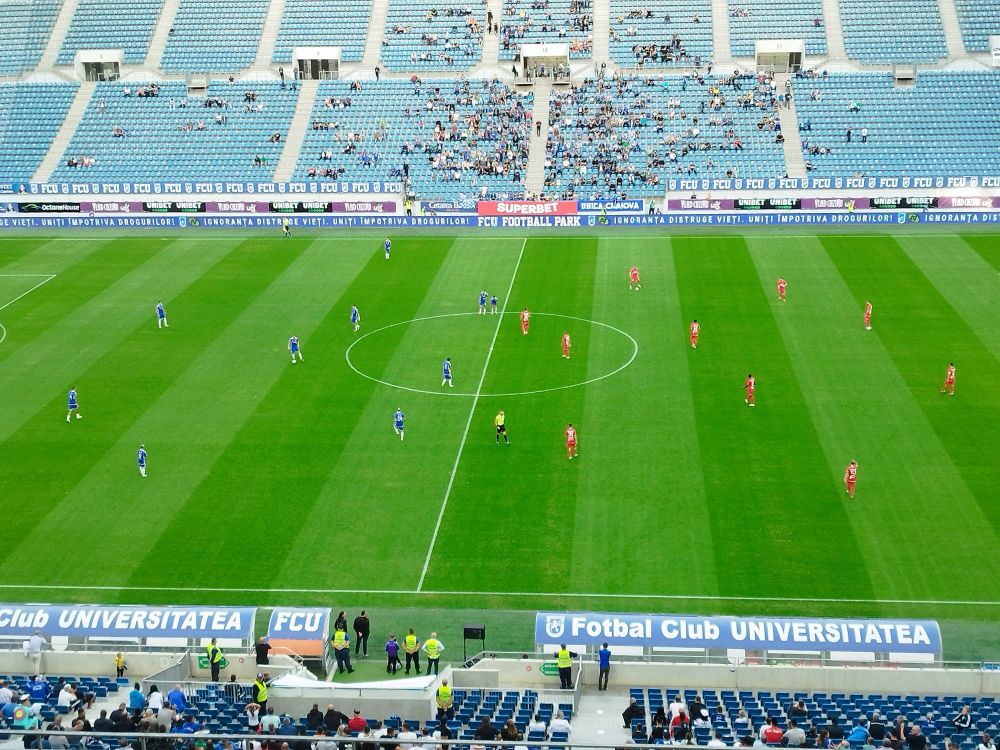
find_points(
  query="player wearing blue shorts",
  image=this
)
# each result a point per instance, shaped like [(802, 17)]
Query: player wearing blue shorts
[(161, 316), (73, 405), (293, 347), (141, 456), (355, 318), (482, 302), (388, 247), (446, 371), (493, 305), (397, 422)]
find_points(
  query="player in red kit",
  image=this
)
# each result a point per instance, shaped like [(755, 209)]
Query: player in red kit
[(949, 379), (633, 278), (750, 385), (695, 328), (570, 441), (781, 290), (868, 315), (851, 477), (525, 317), (565, 344)]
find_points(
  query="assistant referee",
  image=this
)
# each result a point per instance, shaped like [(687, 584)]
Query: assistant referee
[(501, 427)]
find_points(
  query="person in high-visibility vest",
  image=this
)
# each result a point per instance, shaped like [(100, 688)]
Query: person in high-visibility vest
[(433, 647), (260, 690), (342, 649), (411, 647), (564, 660), (445, 701), (214, 659)]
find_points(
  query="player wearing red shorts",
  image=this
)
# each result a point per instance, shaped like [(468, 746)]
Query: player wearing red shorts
[(525, 317), (750, 385), (949, 379), (868, 315), (633, 278), (565, 344), (851, 477), (570, 441), (781, 290), (695, 328)]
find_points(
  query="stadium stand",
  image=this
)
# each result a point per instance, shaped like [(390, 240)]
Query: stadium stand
[(776, 19), (131, 31), (456, 137), (895, 31), (623, 137), (944, 125), (547, 22), (660, 33), (306, 23), (26, 26), (32, 114), (169, 135), (978, 20), (420, 35), (738, 713), (218, 37)]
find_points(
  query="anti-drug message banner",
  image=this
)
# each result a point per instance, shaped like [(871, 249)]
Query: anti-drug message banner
[(751, 633), (127, 621)]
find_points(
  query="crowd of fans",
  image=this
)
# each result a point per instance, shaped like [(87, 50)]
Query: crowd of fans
[(540, 22), (445, 34)]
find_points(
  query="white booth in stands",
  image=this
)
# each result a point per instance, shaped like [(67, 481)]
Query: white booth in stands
[(779, 55), (545, 61), (98, 64), (316, 63), (995, 49)]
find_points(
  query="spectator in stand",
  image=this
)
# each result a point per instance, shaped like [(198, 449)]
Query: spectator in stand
[(287, 728), (699, 714), (858, 733), (876, 727), (963, 720), (154, 699), (357, 722), (986, 743), (269, 723), (677, 706), (834, 729), (633, 711), (333, 719), (771, 733), (252, 712), (314, 719), (135, 698), (717, 741), (679, 726), (559, 724), (321, 740), (177, 699), (536, 724), (262, 647), (899, 732), (485, 732), (798, 710), (102, 723), (794, 736), (916, 739)]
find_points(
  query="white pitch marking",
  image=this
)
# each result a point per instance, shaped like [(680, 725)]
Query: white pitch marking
[(631, 359), (46, 280), (468, 422), (544, 594)]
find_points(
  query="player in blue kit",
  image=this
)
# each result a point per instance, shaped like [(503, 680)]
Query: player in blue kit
[(141, 456), (73, 405), (388, 247), (446, 371), (161, 316), (493, 305), (397, 422), (293, 347), (482, 302), (355, 318)]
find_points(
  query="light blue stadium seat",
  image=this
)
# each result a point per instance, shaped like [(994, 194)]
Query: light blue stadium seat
[(547, 22), (306, 23), (751, 20), (426, 35), (678, 38), (893, 31), (33, 113), (25, 25), (214, 37), (131, 31)]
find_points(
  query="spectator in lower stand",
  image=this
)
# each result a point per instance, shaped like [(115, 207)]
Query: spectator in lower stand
[(986, 743), (314, 719), (102, 723), (770, 733), (899, 732), (833, 727), (357, 722), (559, 724), (963, 721), (794, 736), (269, 723), (537, 725), (916, 739), (333, 719), (287, 728), (135, 698), (679, 726), (486, 731), (717, 741), (633, 711), (876, 727), (858, 733)]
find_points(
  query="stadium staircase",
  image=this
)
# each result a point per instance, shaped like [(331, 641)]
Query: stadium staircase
[(534, 179), (491, 42), (834, 30), (376, 32), (162, 32), (59, 29), (722, 51), (269, 35), (297, 131), (73, 116), (795, 163), (602, 24), (952, 29)]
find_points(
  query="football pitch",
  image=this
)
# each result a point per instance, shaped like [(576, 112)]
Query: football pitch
[(270, 483)]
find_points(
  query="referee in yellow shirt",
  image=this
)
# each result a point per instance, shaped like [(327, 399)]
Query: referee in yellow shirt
[(501, 427)]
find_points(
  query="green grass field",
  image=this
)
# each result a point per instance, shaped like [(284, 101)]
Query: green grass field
[(273, 484)]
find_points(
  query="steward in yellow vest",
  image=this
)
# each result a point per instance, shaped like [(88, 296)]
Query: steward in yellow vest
[(411, 647)]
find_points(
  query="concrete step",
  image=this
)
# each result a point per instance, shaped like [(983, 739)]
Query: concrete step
[(834, 30), (296, 131), (602, 32), (952, 28), (722, 51), (59, 144), (795, 163), (162, 32), (376, 32), (58, 35), (534, 180), (269, 34)]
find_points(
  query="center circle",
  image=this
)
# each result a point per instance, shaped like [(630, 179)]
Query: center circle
[(633, 345)]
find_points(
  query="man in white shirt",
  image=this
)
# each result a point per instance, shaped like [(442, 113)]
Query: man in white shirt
[(270, 722), (536, 725), (716, 741), (6, 694), (67, 698), (559, 724), (407, 737), (676, 706), (35, 645)]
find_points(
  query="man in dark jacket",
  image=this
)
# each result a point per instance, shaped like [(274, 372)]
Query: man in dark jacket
[(362, 628), (332, 719), (634, 711)]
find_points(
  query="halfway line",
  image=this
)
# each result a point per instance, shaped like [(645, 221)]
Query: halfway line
[(468, 422)]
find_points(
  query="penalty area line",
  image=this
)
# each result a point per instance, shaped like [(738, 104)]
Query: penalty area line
[(47, 278), (468, 422), (545, 594)]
